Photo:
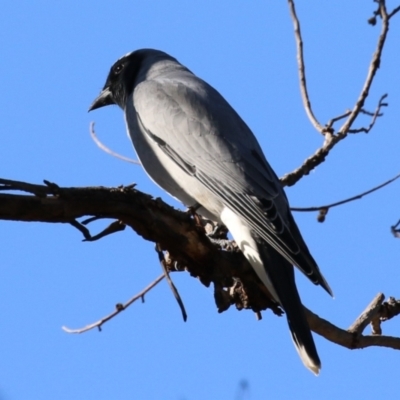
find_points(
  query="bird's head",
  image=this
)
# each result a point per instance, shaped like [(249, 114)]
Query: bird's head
[(122, 78)]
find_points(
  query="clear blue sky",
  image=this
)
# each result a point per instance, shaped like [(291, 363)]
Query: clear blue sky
[(54, 59)]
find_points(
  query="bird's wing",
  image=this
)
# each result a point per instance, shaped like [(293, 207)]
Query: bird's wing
[(195, 126)]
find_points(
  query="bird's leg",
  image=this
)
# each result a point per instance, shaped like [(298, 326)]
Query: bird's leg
[(225, 244), (218, 235), (216, 230)]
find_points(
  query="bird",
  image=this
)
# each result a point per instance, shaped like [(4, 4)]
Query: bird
[(195, 146)]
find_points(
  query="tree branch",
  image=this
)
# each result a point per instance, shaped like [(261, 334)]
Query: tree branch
[(374, 116), (302, 69), (118, 308), (189, 248), (346, 338), (373, 68), (332, 138), (323, 210)]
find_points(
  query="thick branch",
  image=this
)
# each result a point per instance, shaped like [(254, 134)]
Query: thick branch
[(152, 219), (235, 282)]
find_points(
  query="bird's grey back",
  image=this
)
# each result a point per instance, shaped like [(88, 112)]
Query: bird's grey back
[(228, 137)]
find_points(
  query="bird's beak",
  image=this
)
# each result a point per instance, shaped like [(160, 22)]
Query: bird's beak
[(105, 98)]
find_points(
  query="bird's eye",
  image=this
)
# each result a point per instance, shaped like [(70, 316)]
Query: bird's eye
[(118, 68)]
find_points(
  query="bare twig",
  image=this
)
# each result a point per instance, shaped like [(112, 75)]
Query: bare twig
[(37, 190), (326, 207), (302, 68), (330, 123), (170, 283), (85, 231), (367, 315), (107, 150), (115, 226), (396, 10), (118, 308), (374, 116), (395, 232)]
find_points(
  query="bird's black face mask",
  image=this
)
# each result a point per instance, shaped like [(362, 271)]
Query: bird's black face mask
[(120, 81)]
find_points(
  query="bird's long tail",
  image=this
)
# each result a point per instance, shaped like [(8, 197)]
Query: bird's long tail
[(281, 275), (277, 274)]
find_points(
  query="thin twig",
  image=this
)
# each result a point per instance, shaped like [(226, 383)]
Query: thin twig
[(107, 150), (357, 197), (119, 307), (375, 116), (396, 10), (330, 123), (37, 190), (373, 68), (301, 67), (170, 283), (372, 114), (85, 231), (395, 232), (114, 227)]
